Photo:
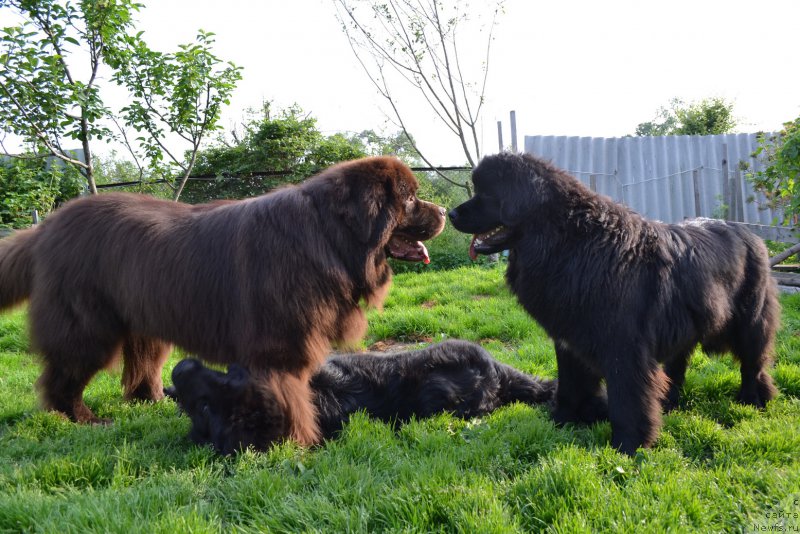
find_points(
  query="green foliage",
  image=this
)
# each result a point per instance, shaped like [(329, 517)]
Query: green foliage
[(180, 93), (42, 98), (46, 101), (273, 148), (33, 184), (111, 168), (716, 467), (710, 116), (780, 180)]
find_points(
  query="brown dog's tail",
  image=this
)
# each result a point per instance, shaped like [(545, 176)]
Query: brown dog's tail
[(16, 267)]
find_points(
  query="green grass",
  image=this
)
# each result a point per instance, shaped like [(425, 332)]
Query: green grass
[(717, 467)]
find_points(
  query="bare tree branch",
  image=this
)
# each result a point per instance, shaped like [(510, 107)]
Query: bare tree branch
[(418, 40)]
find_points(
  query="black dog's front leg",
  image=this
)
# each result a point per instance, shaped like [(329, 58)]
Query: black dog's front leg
[(579, 395), (636, 391), (675, 370)]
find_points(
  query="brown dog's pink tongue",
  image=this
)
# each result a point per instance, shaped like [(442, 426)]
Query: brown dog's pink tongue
[(403, 249), (426, 259)]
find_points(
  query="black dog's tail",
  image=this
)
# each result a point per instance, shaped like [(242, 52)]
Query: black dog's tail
[(518, 386)]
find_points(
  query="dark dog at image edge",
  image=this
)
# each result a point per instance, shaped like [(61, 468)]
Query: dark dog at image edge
[(620, 294), (231, 411), (268, 282)]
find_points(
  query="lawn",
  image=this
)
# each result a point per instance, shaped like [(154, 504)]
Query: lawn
[(717, 466)]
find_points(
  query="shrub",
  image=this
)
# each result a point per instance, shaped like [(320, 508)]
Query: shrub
[(33, 184), (780, 180)]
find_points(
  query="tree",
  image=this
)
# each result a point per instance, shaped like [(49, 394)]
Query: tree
[(44, 100), (270, 148), (180, 93), (48, 104), (398, 144), (417, 43), (709, 116), (780, 180), (33, 184)]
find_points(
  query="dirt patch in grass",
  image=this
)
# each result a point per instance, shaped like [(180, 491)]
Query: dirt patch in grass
[(392, 345)]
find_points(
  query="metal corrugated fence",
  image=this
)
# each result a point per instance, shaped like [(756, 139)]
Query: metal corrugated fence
[(668, 178)]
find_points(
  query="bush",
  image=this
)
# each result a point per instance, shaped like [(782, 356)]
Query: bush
[(33, 184), (780, 180)]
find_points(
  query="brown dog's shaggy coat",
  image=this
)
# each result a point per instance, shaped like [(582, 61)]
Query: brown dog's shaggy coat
[(267, 282), (620, 294)]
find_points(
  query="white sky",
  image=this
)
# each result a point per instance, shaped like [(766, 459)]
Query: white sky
[(567, 67)]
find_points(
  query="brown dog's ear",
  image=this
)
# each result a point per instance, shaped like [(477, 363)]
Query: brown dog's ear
[(361, 204)]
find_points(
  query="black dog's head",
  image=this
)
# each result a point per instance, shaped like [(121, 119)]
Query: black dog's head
[(229, 411), (508, 187)]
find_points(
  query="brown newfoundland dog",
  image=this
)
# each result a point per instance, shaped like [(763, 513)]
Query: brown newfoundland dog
[(230, 411), (268, 282), (619, 293)]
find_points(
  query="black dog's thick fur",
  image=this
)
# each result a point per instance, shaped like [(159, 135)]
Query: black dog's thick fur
[(619, 293), (231, 411)]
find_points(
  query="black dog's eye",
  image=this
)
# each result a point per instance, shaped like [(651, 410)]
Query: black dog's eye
[(205, 409)]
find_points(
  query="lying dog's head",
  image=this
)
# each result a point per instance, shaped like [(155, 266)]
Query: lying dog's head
[(228, 410), (508, 187), (377, 200)]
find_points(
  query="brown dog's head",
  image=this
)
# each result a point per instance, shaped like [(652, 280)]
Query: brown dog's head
[(376, 198), (229, 411)]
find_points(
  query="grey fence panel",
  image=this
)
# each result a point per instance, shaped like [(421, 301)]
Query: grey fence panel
[(668, 178)]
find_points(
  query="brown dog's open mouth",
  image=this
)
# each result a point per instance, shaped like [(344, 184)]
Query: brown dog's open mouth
[(401, 247), (489, 242)]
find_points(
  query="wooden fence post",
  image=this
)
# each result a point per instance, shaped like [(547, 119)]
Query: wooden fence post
[(499, 136), (514, 131), (696, 184), (737, 195), (726, 183)]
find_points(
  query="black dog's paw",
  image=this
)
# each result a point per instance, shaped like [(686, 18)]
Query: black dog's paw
[(170, 393), (594, 409), (759, 393), (590, 411)]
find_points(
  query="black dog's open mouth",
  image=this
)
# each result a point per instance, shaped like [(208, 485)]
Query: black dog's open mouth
[(489, 242), (405, 248)]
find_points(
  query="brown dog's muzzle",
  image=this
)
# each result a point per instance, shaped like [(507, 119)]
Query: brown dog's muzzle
[(424, 221)]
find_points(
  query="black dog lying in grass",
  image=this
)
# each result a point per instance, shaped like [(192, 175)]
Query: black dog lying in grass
[(231, 411)]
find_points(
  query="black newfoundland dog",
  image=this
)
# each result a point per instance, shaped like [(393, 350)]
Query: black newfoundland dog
[(619, 293), (268, 282), (232, 411)]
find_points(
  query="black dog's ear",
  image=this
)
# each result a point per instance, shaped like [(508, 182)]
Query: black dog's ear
[(524, 190)]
